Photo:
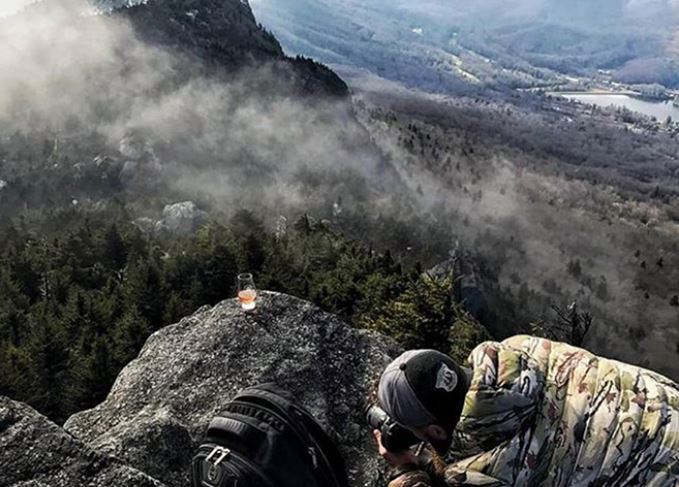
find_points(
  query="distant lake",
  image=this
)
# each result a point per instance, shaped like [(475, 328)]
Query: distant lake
[(658, 109)]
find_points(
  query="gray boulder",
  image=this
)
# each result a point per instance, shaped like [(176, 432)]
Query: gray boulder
[(470, 288), (161, 403), (181, 218), (36, 452)]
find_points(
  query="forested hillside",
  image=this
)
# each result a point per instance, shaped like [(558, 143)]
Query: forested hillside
[(77, 304), (453, 46), (138, 178), (554, 202), (181, 146)]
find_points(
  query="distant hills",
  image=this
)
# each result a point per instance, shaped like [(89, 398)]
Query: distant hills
[(454, 46)]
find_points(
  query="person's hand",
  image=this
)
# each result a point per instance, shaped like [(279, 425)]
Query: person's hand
[(394, 459)]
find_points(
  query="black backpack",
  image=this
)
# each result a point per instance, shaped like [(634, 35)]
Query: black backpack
[(263, 439)]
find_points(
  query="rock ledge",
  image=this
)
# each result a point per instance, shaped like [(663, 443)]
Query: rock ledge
[(161, 403)]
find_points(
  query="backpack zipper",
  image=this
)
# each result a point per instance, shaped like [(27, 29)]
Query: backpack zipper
[(218, 450)]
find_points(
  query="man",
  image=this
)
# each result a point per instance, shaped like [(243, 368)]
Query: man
[(532, 412)]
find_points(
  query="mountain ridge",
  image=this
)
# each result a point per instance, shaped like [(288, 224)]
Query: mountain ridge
[(221, 37), (226, 34)]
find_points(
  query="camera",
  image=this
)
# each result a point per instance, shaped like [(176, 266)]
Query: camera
[(395, 437)]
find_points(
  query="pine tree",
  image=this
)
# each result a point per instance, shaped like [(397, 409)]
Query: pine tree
[(14, 364), (145, 289), (426, 316), (220, 275), (13, 305), (115, 250), (245, 222), (100, 373), (49, 382), (177, 307), (130, 334), (254, 253), (28, 278)]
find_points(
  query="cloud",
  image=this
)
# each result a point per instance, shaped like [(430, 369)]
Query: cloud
[(230, 140), (9, 7)]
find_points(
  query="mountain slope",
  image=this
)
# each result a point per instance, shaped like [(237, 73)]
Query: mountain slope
[(454, 46), (226, 33), (220, 34)]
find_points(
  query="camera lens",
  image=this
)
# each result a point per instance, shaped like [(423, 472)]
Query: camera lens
[(376, 417), (395, 438)]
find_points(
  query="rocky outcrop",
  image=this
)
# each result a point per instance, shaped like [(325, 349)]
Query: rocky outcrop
[(223, 28), (160, 405), (223, 36), (226, 34), (36, 452), (181, 218), (146, 431), (470, 289)]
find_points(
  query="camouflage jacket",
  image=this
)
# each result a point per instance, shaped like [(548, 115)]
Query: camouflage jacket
[(543, 413)]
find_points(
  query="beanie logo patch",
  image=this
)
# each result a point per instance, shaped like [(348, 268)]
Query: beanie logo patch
[(446, 379)]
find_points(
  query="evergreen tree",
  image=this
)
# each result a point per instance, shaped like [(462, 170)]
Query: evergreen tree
[(220, 274), (131, 332), (78, 306), (145, 289), (100, 372), (49, 385), (14, 364), (422, 316), (254, 253), (177, 307), (115, 250)]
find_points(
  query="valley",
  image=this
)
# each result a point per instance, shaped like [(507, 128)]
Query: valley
[(192, 144), (552, 158), (197, 196), (552, 229), (457, 47)]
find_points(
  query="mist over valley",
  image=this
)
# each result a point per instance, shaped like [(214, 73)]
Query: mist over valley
[(151, 151)]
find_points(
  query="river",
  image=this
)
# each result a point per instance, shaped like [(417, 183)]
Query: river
[(658, 109)]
